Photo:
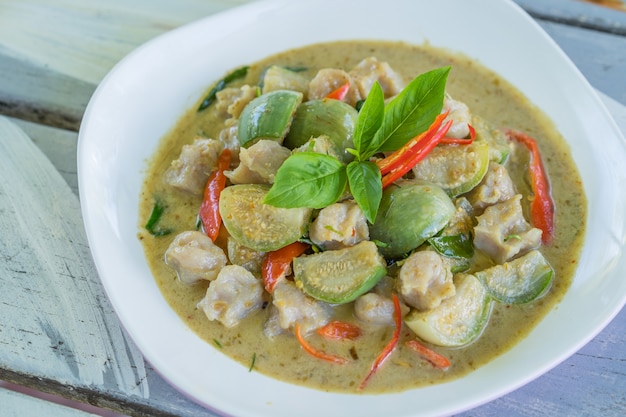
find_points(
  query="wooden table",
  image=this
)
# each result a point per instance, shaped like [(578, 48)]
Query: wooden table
[(58, 332)]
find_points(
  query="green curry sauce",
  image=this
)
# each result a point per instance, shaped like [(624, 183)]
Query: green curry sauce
[(487, 95)]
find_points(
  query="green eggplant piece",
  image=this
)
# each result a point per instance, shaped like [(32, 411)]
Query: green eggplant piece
[(325, 117), (268, 116)]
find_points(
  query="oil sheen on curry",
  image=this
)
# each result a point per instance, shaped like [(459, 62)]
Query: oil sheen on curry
[(362, 216)]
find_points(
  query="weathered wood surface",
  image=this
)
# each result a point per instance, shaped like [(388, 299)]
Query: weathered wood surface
[(58, 332), (14, 404), (579, 14)]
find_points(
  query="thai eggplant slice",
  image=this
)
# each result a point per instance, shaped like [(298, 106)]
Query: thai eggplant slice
[(340, 276), (499, 145), (519, 281), (458, 320), (259, 226), (410, 212), (280, 78), (455, 168), (332, 118), (268, 116)]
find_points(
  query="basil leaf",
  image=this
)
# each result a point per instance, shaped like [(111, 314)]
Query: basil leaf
[(221, 84), (413, 110), (366, 187), (369, 121), (456, 246), (153, 220), (307, 179)]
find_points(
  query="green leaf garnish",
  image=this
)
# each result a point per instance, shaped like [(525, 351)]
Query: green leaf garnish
[(307, 179), (221, 84), (153, 220), (456, 246), (296, 68), (369, 121), (315, 180), (252, 362), (366, 187), (413, 110)]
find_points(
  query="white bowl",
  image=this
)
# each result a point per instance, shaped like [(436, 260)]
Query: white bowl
[(147, 92)]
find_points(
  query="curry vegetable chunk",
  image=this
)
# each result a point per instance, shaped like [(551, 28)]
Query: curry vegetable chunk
[(337, 205), (340, 276), (259, 226)]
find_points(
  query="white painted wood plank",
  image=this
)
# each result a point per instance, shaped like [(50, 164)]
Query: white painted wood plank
[(14, 404), (49, 79), (601, 57), (579, 13), (84, 41), (56, 318), (59, 146), (59, 332)]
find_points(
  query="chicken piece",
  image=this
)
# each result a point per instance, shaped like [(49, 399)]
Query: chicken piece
[(246, 257), (294, 306), (328, 80), (495, 187), (281, 78), (271, 327), (232, 100), (371, 70), (425, 280), (462, 221), (232, 296), (460, 116), (259, 163), (502, 232), (339, 225), (194, 257), (230, 139), (191, 170), (321, 144), (375, 309)]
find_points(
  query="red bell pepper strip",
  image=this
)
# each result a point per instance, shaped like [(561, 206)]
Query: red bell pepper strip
[(437, 360), (401, 155), (340, 330), (542, 209), (276, 263), (210, 207), (391, 345), (317, 353), (401, 161), (340, 93), (456, 141)]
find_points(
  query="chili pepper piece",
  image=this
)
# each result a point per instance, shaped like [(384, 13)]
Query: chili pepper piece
[(436, 359), (317, 353), (413, 156), (391, 345), (340, 330), (542, 208), (340, 93), (209, 209), (397, 157), (276, 262), (462, 141)]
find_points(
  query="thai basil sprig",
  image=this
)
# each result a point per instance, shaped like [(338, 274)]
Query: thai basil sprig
[(314, 180)]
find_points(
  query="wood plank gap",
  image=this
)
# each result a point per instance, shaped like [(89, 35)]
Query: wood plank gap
[(28, 112), (101, 398)]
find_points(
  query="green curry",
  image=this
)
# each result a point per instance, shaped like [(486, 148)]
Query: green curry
[(394, 185)]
